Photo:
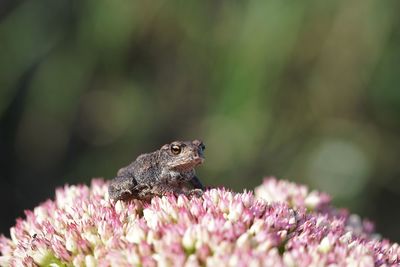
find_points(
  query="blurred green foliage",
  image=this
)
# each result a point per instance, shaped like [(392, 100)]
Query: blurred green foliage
[(305, 90)]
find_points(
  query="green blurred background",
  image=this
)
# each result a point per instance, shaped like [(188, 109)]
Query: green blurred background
[(303, 90)]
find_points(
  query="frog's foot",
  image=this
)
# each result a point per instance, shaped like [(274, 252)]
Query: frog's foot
[(195, 193), (142, 187), (124, 194), (143, 191)]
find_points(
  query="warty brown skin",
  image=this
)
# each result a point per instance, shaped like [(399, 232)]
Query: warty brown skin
[(167, 170)]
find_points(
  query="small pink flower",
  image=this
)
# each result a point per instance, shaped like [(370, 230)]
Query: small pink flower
[(285, 224)]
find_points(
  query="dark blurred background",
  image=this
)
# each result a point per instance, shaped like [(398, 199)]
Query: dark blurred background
[(304, 90)]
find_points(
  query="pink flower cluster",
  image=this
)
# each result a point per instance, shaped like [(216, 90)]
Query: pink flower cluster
[(282, 225)]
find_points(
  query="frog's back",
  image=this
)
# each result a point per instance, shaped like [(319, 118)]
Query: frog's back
[(146, 169)]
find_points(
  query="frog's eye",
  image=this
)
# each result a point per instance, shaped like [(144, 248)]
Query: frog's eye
[(175, 149)]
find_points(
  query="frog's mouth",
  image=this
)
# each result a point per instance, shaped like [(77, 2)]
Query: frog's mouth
[(188, 163), (197, 160)]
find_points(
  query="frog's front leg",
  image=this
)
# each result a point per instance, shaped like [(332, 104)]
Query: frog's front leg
[(195, 182), (193, 187)]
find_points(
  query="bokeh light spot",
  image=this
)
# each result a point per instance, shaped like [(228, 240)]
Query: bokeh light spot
[(340, 167)]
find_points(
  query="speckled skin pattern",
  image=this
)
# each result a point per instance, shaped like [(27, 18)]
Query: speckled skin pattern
[(167, 170)]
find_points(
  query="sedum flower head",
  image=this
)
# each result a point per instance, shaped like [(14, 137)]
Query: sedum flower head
[(283, 224)]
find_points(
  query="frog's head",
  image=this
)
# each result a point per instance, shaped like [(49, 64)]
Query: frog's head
[(180, 155)]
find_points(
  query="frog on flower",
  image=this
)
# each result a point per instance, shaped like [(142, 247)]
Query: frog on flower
[(110, 224)]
